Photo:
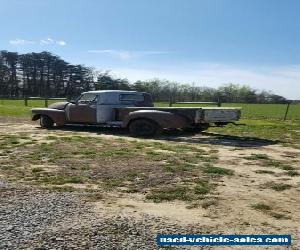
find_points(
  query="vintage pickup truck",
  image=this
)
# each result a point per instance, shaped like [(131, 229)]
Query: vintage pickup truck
[(132, 110)]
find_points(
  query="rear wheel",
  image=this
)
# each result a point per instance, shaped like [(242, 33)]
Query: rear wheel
[(196, 129), (46, 122), (143, 127)]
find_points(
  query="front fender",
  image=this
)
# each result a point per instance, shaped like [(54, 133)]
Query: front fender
[(58, 116), (162, 118)]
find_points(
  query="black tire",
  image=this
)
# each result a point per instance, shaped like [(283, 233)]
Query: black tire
[(46, 122), (143, 127), (196, 129)]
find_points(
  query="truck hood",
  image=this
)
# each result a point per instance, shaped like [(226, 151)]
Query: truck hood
[(58, 105)]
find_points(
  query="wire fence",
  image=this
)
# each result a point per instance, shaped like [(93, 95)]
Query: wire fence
[(290, 111), (249, 110)]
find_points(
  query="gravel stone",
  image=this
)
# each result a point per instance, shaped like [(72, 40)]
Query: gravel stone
[(38, 219)]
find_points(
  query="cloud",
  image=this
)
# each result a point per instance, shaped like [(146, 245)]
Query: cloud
[(283, 80), (46, 41), (50, 41), (20, 42), (61, 43), (127, 54), (43, 42)]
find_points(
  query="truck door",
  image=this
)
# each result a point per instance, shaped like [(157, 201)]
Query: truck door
[(84, 110), (109, 101)]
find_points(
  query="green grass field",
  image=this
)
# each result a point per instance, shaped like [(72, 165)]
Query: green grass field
[(17, 108), (249, 111), (255, 111), (284, 132), (263, 121)]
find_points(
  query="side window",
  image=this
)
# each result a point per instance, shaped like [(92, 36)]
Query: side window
[(131, 97), (87, 98)]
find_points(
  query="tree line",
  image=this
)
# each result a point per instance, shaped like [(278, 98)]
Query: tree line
[(47, 75)]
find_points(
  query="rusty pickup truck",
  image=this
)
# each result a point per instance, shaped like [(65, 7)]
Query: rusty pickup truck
[(132, 110)]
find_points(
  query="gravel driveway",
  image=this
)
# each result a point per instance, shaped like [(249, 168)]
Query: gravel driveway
[(38, 219)]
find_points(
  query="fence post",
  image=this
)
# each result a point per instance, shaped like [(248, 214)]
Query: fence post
[(170, 100), (26, 101), (286, 111), (46, 102), (219, 102)]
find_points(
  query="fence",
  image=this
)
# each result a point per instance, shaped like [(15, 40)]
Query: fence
[(26, 99), (219, 104), (290, 111)]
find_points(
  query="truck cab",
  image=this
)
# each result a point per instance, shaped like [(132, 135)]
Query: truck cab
[(99, 107)]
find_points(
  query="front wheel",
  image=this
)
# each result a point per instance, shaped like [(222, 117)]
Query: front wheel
[(143, 127), (46, 122)]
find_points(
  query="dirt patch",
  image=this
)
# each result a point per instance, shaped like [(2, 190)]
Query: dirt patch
[(127, 169), (135, 205)]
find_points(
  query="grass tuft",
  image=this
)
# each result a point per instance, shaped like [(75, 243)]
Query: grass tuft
[(37, 170), (264, 172), (111, 183), (276, 186), (218, 170), (292, 173), (257, 157), (169, 194), (202, 187), (261, 206)]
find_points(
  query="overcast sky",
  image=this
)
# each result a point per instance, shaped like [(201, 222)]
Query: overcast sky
[(208, 42)]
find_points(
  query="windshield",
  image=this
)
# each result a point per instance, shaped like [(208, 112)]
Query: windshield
[(87, 98)]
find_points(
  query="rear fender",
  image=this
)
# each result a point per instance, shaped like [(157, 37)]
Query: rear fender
[(162, 118), (58, 116)]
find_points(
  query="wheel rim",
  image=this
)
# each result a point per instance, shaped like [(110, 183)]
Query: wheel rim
[(43, 121), (46, 122)]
